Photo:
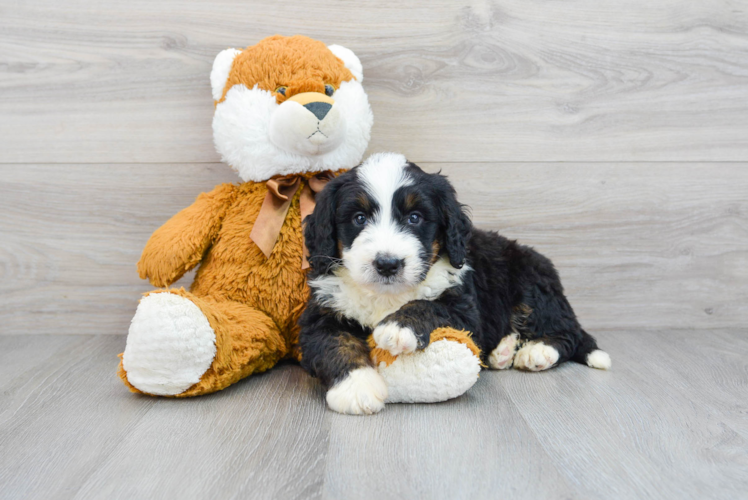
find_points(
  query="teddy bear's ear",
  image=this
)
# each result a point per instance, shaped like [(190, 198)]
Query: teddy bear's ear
[(349, 59), (220, 72)]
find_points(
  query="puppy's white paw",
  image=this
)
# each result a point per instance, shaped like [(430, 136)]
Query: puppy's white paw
[(599, 359), (535, 356), (362, 392), (502, 357), (395, 338)]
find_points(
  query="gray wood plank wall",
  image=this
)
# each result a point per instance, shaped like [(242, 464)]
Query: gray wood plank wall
[(611, 136)]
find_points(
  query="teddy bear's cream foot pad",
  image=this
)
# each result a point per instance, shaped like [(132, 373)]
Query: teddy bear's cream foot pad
[(444, 370), (170, 345)]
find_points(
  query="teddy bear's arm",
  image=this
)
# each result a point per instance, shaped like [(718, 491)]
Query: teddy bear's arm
[(179, 245)]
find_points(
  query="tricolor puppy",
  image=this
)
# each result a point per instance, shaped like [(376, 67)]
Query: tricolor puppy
[(393, 254)]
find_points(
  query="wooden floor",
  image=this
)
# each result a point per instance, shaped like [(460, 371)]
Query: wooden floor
[(612, 136), (669, 421)]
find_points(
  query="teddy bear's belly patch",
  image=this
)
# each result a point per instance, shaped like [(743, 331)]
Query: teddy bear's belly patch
[(275, 285)]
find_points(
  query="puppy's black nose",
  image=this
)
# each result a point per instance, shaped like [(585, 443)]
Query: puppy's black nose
[(318, 109), (387, 265)]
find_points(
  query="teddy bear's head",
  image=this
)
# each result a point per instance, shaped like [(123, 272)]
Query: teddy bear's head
[(289, 105)]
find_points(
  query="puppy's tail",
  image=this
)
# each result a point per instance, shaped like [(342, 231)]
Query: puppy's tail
[(588, 354)]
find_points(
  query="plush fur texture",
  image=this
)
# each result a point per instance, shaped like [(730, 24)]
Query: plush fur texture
[(446, 369), (251, 302), (167, 318), (379, 235), (244, 304), (219, 75)]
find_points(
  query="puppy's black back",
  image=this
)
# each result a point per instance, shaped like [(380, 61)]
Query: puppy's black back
[(518, 289)]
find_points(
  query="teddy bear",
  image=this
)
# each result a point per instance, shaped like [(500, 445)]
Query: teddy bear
[(289, 113)]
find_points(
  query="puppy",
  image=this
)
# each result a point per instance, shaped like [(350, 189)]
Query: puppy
[(394, 255)]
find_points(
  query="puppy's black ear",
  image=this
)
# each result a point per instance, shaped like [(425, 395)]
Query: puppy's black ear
[(320, 234), (456, 224)]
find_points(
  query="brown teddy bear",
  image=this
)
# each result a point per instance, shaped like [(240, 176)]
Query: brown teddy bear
[(289, 111)]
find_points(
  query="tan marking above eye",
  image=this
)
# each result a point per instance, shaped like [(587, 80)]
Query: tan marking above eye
[(364, 203), (411, 200)]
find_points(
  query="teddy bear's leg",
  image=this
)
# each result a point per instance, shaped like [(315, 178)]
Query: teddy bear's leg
[(183, 345), (447, 368)]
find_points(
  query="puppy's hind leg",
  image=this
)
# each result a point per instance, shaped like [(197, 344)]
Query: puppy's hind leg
[(589, 354), (549, 325), (540, 354), (538, 351), (546, 352)]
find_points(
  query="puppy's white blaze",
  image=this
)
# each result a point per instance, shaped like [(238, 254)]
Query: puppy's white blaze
[(369, 307), (395, 338), (361, 392), (381, 175), (599, 359)]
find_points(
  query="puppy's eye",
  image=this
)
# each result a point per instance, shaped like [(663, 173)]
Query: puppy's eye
[(359, 219), (281, 90), (329, 90), (415, 218)]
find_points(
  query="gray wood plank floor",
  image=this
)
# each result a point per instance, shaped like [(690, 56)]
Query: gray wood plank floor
[(667, 422)]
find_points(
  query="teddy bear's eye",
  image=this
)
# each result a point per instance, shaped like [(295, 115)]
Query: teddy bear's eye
[(329, 90), (281, 90)]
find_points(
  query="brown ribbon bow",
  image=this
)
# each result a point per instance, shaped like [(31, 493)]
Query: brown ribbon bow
[(281, 191)]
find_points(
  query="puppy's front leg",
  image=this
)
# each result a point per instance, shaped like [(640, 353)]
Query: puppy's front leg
[(361, 392), (409, 328), (341, 361)]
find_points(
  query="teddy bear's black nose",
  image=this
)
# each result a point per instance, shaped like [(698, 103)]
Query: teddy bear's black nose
[(318, 109)]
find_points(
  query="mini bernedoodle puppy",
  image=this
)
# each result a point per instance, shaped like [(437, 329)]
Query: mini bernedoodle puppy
[(393, 254)]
